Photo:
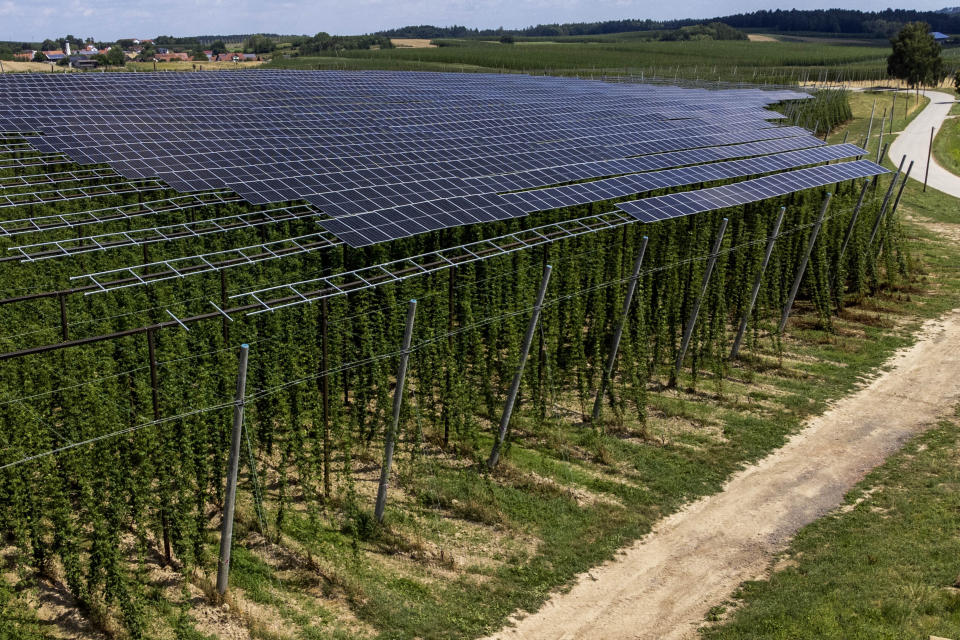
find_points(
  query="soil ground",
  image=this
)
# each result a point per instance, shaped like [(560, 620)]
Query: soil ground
[(415, 43), (664, 585)]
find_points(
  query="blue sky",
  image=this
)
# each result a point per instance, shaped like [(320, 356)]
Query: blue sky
[(112, 19)]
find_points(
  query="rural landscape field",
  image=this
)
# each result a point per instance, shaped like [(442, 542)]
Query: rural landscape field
[(630, 328)]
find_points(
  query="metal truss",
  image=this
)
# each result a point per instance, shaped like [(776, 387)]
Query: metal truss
[(13, 182), (138, 275), (79, 193), (40, 160), (288, 295), (137, 237), (388, 272), (14, 147), (20, 226)]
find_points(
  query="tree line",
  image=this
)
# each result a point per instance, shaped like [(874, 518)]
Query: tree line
[(875, 23)]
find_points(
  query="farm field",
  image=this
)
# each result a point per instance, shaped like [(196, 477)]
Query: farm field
[(462, 547), (620, 54)]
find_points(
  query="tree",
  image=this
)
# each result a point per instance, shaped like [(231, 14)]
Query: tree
[(218, 47), (916, 56), (115, 56), (38, 56), (258, 44), (198, 55), (506, 39), (49, 45)]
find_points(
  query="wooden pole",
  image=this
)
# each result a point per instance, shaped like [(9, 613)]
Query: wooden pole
[(397, 403), (518, 376), (803, 265), (226, 528), (734, 352), (618, 332), (695, 311)]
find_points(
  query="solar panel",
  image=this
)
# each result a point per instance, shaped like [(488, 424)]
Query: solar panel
[(382, 154), (370, 228), (675, 205)]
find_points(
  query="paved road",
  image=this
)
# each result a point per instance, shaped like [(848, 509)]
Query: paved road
[(915, 143)]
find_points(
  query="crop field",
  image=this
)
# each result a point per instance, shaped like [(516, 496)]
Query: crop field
[(742, 61), (118, 392)]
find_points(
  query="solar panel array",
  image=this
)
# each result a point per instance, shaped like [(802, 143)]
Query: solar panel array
[(385, 155)]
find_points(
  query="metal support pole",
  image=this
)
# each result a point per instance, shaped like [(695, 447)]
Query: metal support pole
[(893, 111), (883, 121), (397, 402), (325, 396), (229, 502), (903, 184), (618, 332), (886, 200), (846, 240), (518, 376), (853, 220), (64, 328), (692, 320), (896, 202), (926, 174), (883, 151), (447, 409), (803, 265), (155, 397), (756, 285), (870, 126)]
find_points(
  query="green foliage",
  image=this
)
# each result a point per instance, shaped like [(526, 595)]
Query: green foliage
[(258, 44), (39, 56), (712, 31), (115, 56), (916, 56), (218, 47), (324, 42)]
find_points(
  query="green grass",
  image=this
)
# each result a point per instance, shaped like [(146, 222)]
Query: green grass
[(946, 146), (884, 569)]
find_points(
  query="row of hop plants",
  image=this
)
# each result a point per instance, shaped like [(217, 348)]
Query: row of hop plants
[(95, 512)]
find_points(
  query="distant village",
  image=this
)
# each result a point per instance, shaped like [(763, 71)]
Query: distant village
[(91, 57)]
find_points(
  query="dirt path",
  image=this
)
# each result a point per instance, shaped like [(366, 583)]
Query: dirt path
[(663, 586)]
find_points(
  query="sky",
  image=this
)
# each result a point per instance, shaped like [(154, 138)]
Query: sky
[(108, 20)]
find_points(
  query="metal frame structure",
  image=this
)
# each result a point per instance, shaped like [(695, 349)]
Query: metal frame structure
[(120, 212), (151, 235)]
